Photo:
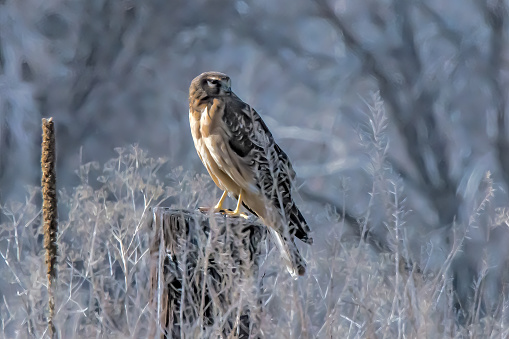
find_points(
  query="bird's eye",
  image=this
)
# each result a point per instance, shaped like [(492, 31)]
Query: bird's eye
[(212, 83)]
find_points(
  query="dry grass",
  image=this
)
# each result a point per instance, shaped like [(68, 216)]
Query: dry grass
[(351, 289)]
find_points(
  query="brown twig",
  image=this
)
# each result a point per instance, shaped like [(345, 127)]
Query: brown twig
[(49, 210)]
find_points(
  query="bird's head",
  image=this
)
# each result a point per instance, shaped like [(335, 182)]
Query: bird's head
[(212, 84)]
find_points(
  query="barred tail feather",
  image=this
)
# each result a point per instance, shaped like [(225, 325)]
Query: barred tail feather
[(294, 262), (298, 225)]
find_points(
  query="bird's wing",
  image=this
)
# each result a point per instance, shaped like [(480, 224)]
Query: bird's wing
[(255, 155)]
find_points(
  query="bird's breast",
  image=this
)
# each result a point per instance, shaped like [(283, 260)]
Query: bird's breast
[(210, 118)]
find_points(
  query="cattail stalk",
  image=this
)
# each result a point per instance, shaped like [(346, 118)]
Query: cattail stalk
[(49, 212)]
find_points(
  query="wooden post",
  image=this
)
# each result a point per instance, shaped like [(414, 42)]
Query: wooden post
[(204, 274)]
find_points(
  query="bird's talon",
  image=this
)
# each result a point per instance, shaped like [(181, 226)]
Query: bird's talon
[(231, 213), (209, 209)]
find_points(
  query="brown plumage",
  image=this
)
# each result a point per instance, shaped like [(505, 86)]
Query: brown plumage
[(243, 159)]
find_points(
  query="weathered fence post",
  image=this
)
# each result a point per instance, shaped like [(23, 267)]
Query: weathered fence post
[(204, 274)]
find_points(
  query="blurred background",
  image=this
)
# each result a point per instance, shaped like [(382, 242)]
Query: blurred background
[(371, 99)]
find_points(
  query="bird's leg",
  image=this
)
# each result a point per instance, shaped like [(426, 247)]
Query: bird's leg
[(237, 212), (218, 207)]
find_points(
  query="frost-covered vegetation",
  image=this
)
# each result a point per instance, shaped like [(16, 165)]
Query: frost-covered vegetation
[(393, 113)]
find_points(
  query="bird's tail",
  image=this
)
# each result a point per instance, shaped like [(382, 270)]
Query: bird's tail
[(298, 225), (295, 264)]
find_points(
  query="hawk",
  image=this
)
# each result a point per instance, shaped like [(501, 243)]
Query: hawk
[(245, 162)]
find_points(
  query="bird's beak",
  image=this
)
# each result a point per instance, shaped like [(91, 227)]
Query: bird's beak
[(227, 86)]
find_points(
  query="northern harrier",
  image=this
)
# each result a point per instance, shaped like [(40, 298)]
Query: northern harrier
[(243, 159)]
